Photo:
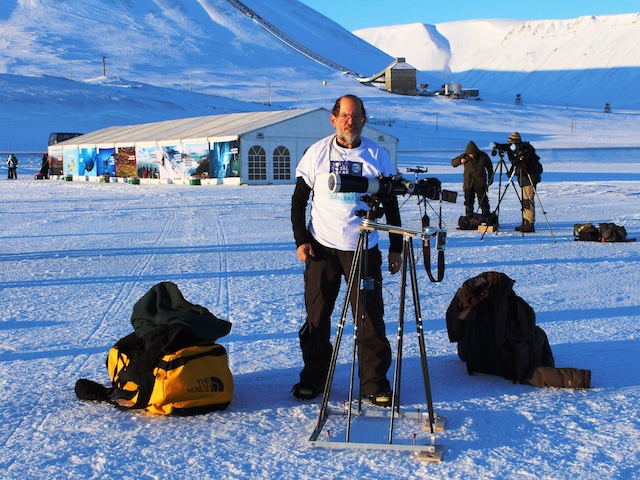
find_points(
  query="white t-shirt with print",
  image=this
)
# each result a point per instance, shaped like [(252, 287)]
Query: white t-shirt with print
[(333, 220)]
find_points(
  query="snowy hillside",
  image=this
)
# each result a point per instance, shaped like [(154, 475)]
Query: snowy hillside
[(175, 59), (53, 77), (544, 60), (207, 45)]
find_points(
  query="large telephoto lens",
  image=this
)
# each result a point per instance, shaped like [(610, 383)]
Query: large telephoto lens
[(352, 184)]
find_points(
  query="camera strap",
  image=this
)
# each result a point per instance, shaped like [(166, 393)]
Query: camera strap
[(426, 252)]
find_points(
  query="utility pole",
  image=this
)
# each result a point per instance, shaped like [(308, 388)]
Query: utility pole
[(104, 66)]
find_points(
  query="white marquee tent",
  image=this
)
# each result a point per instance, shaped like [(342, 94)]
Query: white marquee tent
[(239, 148)]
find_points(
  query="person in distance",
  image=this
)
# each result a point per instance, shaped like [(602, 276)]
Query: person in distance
[(477, 176), (528, 170)]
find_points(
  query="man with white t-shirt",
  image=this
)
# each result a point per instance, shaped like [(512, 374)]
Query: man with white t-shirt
[(327, 245)]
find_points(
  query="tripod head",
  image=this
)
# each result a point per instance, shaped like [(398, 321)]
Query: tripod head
[(376, 209), (417, 171)]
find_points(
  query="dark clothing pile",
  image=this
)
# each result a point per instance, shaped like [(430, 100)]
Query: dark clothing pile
[(497, 334)]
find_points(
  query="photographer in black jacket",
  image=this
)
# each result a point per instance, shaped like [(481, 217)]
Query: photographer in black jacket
[(528, 169), (478, 175)]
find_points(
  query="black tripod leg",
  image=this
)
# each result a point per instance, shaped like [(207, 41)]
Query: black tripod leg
[(421, 342), (359, 318), (504, 192), (322, 416), (397, 374), (544, 214)]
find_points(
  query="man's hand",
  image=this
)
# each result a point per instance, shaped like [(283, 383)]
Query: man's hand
[(305, 251), (395, 262)]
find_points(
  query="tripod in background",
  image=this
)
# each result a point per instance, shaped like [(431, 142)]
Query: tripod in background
[(511, 174)]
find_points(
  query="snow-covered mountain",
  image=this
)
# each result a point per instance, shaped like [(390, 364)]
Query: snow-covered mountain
[(81, 65), (544, 60), (211, 46), (76, 256)]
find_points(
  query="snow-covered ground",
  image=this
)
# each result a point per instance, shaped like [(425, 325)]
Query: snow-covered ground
[(77, 255)]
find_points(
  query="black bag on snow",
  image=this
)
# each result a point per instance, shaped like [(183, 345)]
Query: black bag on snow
[(497, 334), (586, 232), (605, 232), (473, 221), (610, 232)]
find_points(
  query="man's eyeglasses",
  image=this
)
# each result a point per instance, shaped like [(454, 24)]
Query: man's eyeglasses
[(345, 116)]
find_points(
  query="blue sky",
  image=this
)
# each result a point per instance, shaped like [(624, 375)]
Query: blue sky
[(355, 14)]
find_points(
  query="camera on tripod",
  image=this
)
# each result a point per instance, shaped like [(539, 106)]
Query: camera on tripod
[(501, 148), (430, 188)]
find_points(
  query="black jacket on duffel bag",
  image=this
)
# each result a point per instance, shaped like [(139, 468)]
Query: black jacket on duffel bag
[(170, 364)]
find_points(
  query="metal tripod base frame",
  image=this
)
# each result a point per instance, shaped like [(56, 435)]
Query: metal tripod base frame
[(358, 267), (423, 452)]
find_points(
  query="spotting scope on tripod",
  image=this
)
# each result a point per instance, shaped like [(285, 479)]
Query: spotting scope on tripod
[(516, 154), (374, 190), (426, 189)]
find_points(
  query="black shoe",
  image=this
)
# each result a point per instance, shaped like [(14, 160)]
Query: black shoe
[(306, 391), (382, 398)]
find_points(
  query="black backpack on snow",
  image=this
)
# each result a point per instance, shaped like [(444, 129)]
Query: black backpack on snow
[(605, 232), (473, 221), (610, 232), (497, 334)]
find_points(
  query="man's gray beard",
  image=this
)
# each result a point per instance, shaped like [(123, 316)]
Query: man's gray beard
[(349, 139)]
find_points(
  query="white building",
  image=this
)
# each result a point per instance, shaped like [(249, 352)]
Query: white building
[(254, 148)]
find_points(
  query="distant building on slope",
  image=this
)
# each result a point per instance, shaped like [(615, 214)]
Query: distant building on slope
[(399, 77), (454, 90), (255, 148)]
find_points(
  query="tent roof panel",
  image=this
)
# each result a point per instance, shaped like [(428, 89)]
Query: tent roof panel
[(212, 126)]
